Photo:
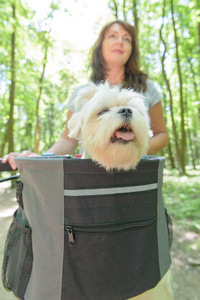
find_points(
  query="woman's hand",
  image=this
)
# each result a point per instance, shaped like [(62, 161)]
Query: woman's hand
[(10, 158)]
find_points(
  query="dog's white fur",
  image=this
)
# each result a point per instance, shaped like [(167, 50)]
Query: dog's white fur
[(98, 118)]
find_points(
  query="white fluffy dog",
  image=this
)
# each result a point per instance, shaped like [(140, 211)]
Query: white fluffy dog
[(112, 124)]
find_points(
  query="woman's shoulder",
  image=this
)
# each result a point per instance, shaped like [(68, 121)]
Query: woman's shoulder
[(150, 85), (152, 93), (76, 91)]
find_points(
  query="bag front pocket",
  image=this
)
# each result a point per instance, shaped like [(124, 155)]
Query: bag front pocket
[(18, 258), (106, 229), (110, 261)]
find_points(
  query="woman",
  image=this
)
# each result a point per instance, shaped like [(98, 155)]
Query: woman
[(115, 57)]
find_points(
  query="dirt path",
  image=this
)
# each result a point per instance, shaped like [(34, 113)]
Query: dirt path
[(185, 267), (185, 252)]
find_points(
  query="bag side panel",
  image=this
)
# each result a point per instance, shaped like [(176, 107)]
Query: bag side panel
[(44, 207)]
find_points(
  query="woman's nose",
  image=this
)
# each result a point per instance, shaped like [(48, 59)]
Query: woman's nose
[(120, 40)]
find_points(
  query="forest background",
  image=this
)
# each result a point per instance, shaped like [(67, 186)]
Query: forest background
[(39, 70), (37, 76)]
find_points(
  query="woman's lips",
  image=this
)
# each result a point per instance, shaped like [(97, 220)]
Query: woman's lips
[(117, 51)]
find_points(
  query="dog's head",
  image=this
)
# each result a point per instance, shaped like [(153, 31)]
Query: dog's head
[(112, 124)]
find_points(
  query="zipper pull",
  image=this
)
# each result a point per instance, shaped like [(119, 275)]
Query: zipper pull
[(69, 230)]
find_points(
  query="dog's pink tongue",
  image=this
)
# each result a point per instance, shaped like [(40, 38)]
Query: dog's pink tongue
[(125, 135)]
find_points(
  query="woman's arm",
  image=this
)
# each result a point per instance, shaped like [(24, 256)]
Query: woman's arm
[(160, 137), (65, 145)]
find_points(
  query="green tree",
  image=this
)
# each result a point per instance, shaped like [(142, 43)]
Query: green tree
[(169, 48), (37, 94)]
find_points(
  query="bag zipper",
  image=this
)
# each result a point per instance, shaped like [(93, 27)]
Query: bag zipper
[(106, 229)]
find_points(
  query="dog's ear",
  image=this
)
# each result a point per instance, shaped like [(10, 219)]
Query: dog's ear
[(84, 94), (75, 125)]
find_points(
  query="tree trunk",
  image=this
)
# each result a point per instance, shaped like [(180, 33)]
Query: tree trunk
[(38, 125), (189, 134), (195, 85), (170, 96), (114, 8), (124, 10), (199, 32), (192, 148), (51, 123), (183, 136), (135, 17), (171, 157), (3, 143), (10, 124)]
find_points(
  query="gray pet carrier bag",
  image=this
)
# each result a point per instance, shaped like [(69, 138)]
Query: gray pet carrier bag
[(82, 233)]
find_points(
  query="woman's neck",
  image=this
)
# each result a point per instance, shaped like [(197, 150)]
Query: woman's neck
[(115, 75)]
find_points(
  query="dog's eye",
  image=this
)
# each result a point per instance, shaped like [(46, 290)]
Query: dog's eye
[(103, 111)]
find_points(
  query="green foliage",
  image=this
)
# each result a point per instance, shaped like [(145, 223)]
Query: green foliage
[(32, 40), (149, 18), (182, 198)]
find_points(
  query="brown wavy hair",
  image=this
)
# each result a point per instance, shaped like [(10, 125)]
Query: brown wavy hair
[(134, 77)]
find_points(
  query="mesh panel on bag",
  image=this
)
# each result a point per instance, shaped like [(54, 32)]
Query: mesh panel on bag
[(170, 229), (18, 257)]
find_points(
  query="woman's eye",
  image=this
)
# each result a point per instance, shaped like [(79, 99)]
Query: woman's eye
[(112, 36), (127, 40), (103, 111)]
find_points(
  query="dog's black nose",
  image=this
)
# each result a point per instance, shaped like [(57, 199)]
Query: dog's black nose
[(127, 112)]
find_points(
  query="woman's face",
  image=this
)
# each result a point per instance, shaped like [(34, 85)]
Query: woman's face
[(116, 46)]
